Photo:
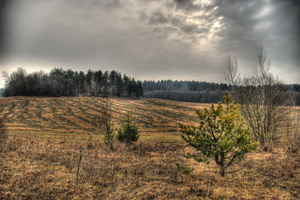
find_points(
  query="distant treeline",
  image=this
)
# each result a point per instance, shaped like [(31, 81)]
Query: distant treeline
[(295, 91), (188, 96), (191, 91), (183, 85), (197, 91), (61, 82)]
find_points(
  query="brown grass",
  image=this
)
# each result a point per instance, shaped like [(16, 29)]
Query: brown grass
[(69, 115), (40, 162), (37, 168)]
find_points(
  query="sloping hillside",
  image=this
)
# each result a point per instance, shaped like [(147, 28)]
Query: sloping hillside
[(69, 115)]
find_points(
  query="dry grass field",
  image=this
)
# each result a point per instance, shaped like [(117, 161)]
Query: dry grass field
[(78, 115), (40, 158)]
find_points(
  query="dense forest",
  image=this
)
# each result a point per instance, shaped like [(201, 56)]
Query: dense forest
[(183, 85), (197, 91), (188, 96), (61, 82), (191, 91)]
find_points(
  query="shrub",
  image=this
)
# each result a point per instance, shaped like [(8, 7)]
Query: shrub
[(128, 131)]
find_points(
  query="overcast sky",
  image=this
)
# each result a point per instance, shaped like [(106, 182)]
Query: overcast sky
[(150, 39)]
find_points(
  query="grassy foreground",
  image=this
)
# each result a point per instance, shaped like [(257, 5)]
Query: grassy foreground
[(41, 156)]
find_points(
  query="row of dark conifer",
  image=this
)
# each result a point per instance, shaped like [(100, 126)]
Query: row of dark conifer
[(60, 82), (184, 85)]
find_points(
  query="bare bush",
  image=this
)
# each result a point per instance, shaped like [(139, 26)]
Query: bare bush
[(264, 100), (293, 133), (3, 134), (106, 123)]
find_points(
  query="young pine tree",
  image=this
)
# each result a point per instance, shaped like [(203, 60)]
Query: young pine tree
[(221, 135), (128, 131)]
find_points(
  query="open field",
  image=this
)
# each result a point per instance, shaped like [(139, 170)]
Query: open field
[(78, 115), (41, 156)]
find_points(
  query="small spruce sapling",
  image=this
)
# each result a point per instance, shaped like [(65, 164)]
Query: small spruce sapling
[(128, 131)]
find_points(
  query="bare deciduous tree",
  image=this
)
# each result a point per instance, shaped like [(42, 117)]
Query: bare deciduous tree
[(264, 100), (3, 134), (231, 73), (106, 123)]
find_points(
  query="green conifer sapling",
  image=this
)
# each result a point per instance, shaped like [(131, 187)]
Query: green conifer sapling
[(221, 135), (128, 131)]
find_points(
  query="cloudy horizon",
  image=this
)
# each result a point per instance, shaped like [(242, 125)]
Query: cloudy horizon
[(150, 39)]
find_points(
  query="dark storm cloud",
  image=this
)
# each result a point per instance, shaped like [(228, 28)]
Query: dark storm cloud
[(179, 39), (183, 3), (158, 18), (193, 28), (249, 25), (107, 4), (4, 6), (238, 30), (187, 5)]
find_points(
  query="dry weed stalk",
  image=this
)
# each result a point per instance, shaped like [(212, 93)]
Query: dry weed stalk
[(78, 166)]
